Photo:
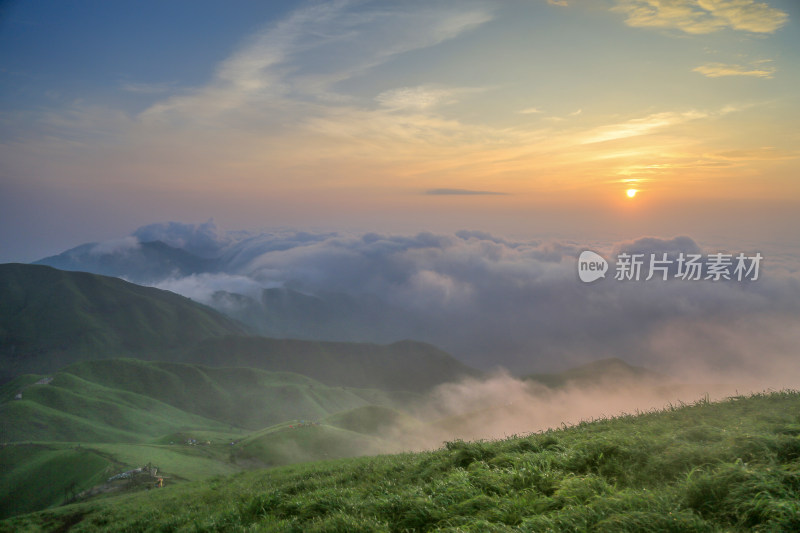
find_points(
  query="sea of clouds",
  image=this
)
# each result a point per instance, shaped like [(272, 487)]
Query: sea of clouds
[(495, 302)]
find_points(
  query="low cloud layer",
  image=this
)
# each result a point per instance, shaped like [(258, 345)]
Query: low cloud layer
[(496, 302), (502, 406)]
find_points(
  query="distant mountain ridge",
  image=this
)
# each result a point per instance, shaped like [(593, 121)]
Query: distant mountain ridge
[(402, 366), (139, 262), (276, 312), (50, 318)]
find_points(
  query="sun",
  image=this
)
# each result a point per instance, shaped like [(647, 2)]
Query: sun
[(631, 193)]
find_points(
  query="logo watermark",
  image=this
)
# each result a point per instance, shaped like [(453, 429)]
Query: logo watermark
[(686, 267), (591, 266)]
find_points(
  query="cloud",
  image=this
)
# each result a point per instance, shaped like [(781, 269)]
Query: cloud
[(418, 98), (456, 192), (348, 38), (718, 70), (496, 301), (500, 406), (562, 3), (203, 287), (640, 126), (205, 240), (702, 16), (293, 92)]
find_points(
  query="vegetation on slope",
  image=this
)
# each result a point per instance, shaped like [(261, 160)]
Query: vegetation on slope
[(37, 476), (373, 420), (731, 466), (403, 366), (128, 413), (50, 318), (128, 400)]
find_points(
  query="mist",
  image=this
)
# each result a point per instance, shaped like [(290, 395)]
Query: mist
[(489, 300), (502, 406)]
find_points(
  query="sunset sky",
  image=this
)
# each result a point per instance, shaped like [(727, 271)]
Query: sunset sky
[(526, 117)]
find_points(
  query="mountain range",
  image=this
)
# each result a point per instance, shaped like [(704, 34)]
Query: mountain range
[(278, 311), (101, 377), (50, 318)]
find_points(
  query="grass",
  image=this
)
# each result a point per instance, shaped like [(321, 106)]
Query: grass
[(48, 475), (708, 467), (128, 400), (50, 318), (132, 412), (292, 443)]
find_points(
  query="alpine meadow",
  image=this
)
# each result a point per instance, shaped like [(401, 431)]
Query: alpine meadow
[(400, 266)]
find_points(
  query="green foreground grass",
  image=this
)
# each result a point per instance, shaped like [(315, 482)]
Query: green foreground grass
[(729, 466)]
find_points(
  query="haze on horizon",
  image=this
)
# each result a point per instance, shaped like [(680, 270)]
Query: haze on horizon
[(519, 118)]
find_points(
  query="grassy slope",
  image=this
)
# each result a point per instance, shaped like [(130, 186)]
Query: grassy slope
[(129, 411), (127, 400), (78, 410), (292, 443), (403, 366), (372, 420), (41, 475), (51, 318), (732, 466)]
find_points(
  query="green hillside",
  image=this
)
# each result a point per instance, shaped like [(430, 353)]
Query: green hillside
[(73, 409), (129, 400), (37, 476), (729, 466), (125, 413), (373, 420), (403, 366), (50, 318), (299, 442)]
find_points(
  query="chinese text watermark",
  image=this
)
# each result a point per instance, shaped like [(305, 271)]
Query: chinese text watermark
[(685, 266)]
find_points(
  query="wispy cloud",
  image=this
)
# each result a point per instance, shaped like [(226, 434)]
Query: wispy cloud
[(268, 71), (640, 126), (420, 97), (702, 16), (457, 192), (562, 3), (531, 111), (719, 70)]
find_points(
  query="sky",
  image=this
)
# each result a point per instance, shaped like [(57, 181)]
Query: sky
[(527, 118)]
